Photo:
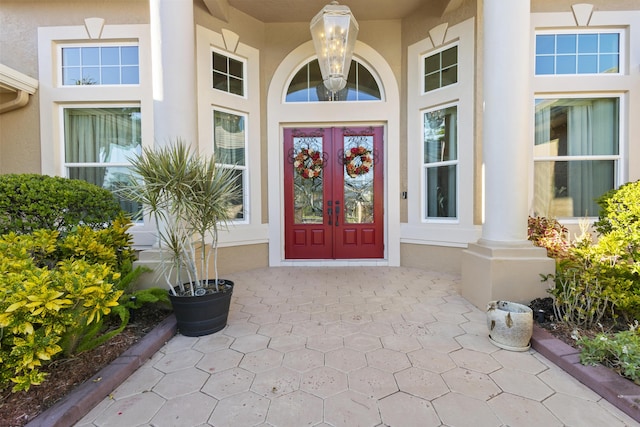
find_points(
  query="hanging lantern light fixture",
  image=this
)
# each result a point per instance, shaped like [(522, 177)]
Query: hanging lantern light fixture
[(334, 31)]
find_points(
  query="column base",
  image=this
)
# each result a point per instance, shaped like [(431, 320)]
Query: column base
[(491, 271)]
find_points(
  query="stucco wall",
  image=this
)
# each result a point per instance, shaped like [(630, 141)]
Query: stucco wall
[(19, 129)]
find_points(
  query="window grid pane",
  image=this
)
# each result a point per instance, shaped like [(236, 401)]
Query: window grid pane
[(440, 158), (307, 85), (441, 69), (227, 74), (100, 65), (98, 143), (589, 53), (576, 154)]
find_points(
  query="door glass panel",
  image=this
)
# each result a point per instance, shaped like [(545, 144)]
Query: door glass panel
[(358, 179), (307, 180)]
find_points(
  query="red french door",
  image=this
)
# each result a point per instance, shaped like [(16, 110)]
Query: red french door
[(333, 186)]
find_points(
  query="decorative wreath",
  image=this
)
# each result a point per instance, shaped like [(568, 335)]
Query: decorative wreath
[(357, 161), (308, 163)]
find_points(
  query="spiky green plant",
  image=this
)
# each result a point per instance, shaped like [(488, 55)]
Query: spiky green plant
[(189, 196)]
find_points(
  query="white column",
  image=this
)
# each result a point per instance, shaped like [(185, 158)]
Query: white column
[(507, 118), (174, 70), (503, 264)]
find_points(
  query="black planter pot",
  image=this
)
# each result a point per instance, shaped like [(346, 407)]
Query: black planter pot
[(203, 315)]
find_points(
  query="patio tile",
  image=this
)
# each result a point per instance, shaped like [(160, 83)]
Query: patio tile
[(261, 360), (343, 329), (439, 343), (356, 318), (345, 359), (475, 361), (421, 383), (190, 410), (324, 381), (244, 409), (522, 384), (362, 342), (132, 411), (372, 382), (249, 343), (523, 361), (240, 329), (307, 329), (445, 329), (213, 342), (140, 381), (177, 361), (388, 360), (303, 359), (400, 343), (479, 343), (417, 315), (295, 317), (579, 412), (227, 383), (276, 382), (324, 342), (275, 329), (376, 329), (180, 383), (295, 409), (179, 343), (265, 319), (431, 360), (349, 409), (520, 411), (401, 409), (558, 380), (471, 383), (476, 412), (285, 343), (220, 360)]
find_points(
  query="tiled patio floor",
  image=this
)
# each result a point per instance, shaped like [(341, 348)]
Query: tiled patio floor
[(350, 346)]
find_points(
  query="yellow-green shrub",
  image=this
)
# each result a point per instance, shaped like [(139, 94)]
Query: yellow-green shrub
[(54, 294)]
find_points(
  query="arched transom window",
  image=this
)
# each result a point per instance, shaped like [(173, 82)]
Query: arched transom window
[(306, 85)]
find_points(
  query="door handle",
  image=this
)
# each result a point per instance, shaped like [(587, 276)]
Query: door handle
[(329, 213), (337, 213)]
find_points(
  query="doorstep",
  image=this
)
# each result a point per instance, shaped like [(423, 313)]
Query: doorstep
[(619, 391), (85, 397)]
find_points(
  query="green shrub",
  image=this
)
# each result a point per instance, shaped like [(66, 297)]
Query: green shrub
[(56, 291), (46, 311), (620, 352), (603, 278), (30, 202)]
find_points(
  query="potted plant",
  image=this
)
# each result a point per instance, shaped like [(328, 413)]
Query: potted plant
[(510, 325), (189, 198)]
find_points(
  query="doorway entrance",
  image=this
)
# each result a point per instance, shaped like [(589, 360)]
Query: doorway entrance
[(333, 186)]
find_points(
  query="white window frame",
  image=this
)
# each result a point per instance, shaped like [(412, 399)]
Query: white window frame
[(228, 55), (61, 46), (426, 166), (619, 158), (244, 168), (451, 232), (625, 84), (250, 230), (54, 96), (622, 48), (435, 52)]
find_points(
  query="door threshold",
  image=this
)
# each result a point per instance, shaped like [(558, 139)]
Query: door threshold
[(335, 263)]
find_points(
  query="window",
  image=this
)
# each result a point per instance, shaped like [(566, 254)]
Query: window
[(229, 142), (97, 144), (440, 162), (441, 69), (307, 86), (576, 154), (228, 74), (578, 53), (100, 65)]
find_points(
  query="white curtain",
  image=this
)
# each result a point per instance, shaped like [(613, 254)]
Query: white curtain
[(591, 131)]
